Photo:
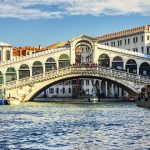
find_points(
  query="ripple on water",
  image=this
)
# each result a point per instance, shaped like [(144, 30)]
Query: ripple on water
[(47, 126)]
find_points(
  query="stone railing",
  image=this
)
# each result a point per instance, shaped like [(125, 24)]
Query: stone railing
[(31, 56), (124, 51), (87, 71)]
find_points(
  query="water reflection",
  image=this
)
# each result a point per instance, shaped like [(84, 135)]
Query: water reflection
[(82, 126)]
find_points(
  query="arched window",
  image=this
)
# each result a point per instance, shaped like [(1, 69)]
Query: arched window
[(144, 69), (131, 66), (117, 63), (37, 68), (63, 90), (57, 90), (64, 61), (50, 64), (104, 60), (24, 71)]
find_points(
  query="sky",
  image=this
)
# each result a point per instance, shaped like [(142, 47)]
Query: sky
[(44, 22)]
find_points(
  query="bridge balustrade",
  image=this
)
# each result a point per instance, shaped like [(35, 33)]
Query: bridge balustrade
[(68, 70)]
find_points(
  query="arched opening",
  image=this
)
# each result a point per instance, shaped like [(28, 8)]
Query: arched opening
[(37, 68), (64, 61), (104, 60), (57, 90), (83, 52), (131, 66), (11, 74), (1, 78), (50, 64), (144, 69), (117, 63), (24, 71), (8, 55)]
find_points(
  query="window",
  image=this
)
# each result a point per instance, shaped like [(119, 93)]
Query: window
[(74, 90), (114, 43), (135, 39), (128, 41), (148, 50), (87, 82), (135, 49), (142, 38), (63, 91), (148, 37), (125, 41), (51, 90), (120, 42), (111, 43), (7, 55), (73, 81), (142, 49), (69, 90), (57, 90)]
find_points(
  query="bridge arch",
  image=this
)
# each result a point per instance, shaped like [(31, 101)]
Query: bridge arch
[(24, 71), (11, 74), (131, 66), (64, 60), (50, 64), (104, 60), (37, 68), (117, 63), (144, 69), (44, 85)]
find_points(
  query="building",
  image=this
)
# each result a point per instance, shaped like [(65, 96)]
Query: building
[(135, 39)]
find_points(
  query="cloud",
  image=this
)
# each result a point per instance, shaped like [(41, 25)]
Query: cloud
[(35, 9)]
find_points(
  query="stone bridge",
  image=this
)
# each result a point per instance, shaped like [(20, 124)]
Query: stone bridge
[(26, 89)]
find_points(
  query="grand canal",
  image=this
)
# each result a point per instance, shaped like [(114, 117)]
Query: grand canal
[(80, 126)]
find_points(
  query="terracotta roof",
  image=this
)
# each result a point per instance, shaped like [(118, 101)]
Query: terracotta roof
[(124, 33)]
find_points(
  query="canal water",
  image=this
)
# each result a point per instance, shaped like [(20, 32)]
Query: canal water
[(74, 126)]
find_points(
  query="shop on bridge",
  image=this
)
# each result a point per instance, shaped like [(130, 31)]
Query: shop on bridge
[(37, 68), (64, 61), (50, 64), (11, 74), (131, 66), (24, 71), (117, 63), (104, 60), (144, 69)]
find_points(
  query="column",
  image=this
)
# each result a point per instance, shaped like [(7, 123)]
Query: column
[(120, 92), (30, 71), (112, 90), (106, 88)]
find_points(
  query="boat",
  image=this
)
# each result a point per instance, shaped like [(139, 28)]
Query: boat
[(13, 101), (3, 102), (93, 99), (131, 99), (143, 103)]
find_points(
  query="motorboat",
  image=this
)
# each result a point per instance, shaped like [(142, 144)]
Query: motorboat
[(93, 99), (13, 101)]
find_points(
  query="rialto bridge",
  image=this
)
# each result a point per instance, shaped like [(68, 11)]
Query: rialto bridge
[(25, 77)]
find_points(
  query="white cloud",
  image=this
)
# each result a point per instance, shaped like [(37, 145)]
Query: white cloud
[(26, 9)]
